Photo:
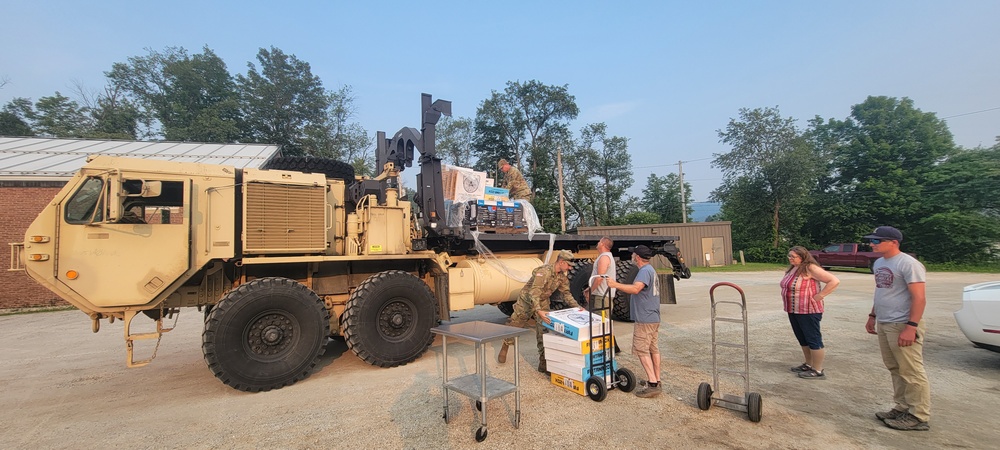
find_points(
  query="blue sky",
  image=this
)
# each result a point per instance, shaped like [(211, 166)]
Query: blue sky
[(667, 75)]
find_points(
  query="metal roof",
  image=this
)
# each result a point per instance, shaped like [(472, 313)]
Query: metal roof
[(25, 158)]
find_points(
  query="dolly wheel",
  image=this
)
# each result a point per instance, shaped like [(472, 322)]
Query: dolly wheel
[(479, 405), (481, 434), (597, 390), (704, 396), (626, 379), (754, 405)]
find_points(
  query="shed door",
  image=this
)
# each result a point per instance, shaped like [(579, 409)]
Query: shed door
[(713, 250)]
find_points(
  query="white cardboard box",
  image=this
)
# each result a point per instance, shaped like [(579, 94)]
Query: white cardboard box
[(559, 342), (575, 323), (574, 359), (569, 371)]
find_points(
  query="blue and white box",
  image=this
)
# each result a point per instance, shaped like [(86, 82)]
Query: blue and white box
[(576, 323)]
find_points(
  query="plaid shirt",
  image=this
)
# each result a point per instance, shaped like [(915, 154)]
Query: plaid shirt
[(799, 294)]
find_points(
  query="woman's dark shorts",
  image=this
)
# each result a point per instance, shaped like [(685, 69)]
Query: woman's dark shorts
[(806, 329)]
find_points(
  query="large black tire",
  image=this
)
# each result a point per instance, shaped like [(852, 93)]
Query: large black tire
[(625, 271), (389, 317), (331, 168), (506, 308), (265, 334), (579, 280)]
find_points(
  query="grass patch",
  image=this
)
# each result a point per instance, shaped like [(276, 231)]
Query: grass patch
[(959, 267), (16, 311)]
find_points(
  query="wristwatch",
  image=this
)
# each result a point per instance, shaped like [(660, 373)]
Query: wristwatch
[(911, 323)]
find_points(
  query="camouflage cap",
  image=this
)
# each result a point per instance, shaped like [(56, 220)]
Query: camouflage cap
[(565, 255), (501, 163)]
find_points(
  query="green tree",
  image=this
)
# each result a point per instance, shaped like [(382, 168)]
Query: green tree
[(281, 100), (337, 136), (770, 154), (601, 169), (59, 116), (177, 96), (16, 118), (966, 223), (527, 122), (662, 196), (455, 140), (883, 158)]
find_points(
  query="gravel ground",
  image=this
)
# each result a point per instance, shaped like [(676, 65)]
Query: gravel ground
[(65, 387)]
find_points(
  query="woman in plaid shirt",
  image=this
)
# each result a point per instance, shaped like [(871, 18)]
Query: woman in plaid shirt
[(800, 290)]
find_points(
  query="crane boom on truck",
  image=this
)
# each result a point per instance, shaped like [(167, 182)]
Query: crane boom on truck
[(283, 257)]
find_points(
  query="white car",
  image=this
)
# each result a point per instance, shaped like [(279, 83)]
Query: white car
[(979, 317)]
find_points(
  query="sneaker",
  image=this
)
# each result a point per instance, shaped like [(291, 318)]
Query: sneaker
[(648, 391), (890, 414), (813, 374), (908, 422), (804, 367)]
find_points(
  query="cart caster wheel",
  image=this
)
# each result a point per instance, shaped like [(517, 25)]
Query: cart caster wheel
[(626, 379), (704, 396), (754, 405), (597, 390), (481, 434), (479, 405)]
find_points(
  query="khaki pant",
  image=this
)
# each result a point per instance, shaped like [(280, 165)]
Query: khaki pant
[(522, 318), (911, 390)]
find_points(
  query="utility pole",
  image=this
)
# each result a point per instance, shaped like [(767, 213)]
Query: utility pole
[(562, 204), (680, 177)]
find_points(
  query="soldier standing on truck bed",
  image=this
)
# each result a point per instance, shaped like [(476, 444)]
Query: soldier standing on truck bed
[(534, 302), (514, 181)]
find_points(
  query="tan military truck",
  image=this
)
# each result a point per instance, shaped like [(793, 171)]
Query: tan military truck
[(281, 259)]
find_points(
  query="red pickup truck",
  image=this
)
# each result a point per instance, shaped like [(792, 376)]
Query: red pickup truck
[(846, 255)]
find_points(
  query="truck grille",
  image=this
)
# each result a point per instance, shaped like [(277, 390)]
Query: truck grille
[(285, 219)]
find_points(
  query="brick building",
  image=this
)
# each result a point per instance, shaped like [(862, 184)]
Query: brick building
[(34, 170)]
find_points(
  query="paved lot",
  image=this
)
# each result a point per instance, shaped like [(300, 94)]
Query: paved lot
[(64, 387)]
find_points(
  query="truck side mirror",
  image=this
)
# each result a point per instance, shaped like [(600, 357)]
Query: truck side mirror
[(152, 188)]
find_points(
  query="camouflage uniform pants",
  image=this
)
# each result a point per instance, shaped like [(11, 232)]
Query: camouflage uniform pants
[(522, 318)]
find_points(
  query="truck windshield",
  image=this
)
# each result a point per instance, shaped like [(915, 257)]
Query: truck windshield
[(83, 206)]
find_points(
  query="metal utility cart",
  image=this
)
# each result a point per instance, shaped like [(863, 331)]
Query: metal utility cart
[(596, 385), (751, 401), (480, 386)]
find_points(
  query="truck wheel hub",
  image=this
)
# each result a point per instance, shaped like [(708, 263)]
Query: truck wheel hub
[(270, 334), (396, 318)]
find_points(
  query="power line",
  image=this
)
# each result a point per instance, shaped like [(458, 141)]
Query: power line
[(673, 164), (971, 113)]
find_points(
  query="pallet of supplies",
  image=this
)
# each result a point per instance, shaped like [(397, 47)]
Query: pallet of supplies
[(565, 344)]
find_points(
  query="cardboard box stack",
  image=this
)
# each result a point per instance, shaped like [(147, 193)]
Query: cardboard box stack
[(572, 355)]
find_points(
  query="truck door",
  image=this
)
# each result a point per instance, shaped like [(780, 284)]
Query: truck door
[(122, 240)]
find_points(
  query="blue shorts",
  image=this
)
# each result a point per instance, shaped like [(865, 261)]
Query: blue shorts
[(806, 329)]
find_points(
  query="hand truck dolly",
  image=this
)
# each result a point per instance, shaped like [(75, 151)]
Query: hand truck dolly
[(602, 365), (751, 402)]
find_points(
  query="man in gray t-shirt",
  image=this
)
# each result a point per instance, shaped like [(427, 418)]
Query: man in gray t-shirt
[(645, 311), (897, 310)]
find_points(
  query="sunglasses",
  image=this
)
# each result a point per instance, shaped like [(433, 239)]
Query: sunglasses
[(878, 241)]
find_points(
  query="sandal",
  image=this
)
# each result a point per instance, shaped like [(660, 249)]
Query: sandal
[(813, 374), (803, 368)]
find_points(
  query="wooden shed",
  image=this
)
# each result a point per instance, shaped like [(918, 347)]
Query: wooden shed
[(703, 244)]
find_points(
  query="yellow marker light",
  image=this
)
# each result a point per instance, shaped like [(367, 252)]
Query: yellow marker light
[(39, 239), (38, 257), (71, 274)]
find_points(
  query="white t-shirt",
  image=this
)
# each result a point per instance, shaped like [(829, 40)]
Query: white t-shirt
[(602, 287)]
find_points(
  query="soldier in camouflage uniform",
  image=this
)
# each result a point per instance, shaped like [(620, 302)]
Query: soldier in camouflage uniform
[(534, 302), (514, 181)]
